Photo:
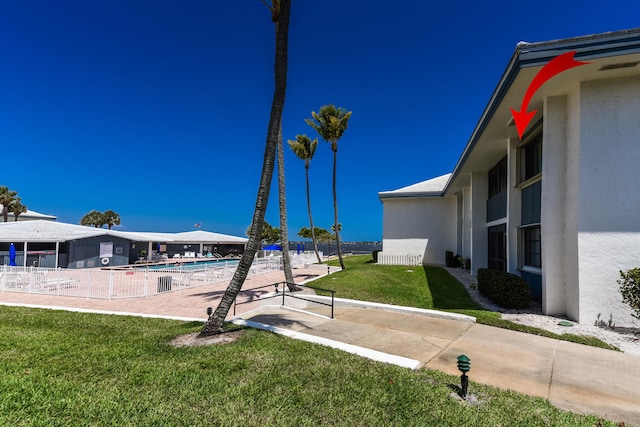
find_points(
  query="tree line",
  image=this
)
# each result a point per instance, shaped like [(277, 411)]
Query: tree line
[(100, 219)]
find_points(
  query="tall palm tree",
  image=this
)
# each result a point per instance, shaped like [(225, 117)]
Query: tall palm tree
[(330, 123), (6, 198), (17, 208), (280, 17), (305, 148), (284, 230), (111, 218)]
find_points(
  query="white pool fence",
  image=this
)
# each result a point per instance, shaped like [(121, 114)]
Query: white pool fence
[(131, 282)]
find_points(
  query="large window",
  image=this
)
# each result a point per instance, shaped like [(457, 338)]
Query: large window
[(532, 247), (498, 177), (497, 200), (533, 157)]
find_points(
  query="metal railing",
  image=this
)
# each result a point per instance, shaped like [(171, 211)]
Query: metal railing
[(134, 282), (286, 293)]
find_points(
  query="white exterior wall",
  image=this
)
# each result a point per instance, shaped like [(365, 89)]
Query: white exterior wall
[(552, 220), (514, 207), (466, 223), (479, 238), (424, 226), (609, 201)]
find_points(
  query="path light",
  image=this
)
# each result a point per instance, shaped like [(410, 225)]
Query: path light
[(464, 365), (209, 311)]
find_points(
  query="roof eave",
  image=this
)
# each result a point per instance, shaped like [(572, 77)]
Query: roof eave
[(410, 195), (537, 54)]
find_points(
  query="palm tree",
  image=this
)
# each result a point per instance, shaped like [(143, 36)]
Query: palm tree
[(6, 198), (284, 230), (330, 123), (280, 17), (111, 218), (305, 148), (93, 218), (17, 208), (269, 233)]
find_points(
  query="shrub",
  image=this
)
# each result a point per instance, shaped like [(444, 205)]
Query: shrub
[(450, 260), (505, 289), (630, 289), (375, 254)]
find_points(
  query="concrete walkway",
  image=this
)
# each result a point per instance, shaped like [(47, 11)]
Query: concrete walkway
[(573, 377)]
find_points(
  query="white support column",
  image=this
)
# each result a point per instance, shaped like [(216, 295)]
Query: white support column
[(554, 197), (57, 253), (514, 207), (150, 252), (479, 238), (24, 262)]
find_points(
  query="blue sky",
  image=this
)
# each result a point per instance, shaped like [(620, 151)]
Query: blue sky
[(158, 109)]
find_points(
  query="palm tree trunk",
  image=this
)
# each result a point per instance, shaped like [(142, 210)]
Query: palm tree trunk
[(335, 208), (216, 320), (284, 233), (313, 233)]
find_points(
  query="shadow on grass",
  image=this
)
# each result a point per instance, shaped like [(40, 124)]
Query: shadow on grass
[(447, 292)]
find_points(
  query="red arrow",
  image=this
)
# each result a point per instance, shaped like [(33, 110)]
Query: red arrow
[(557, 65)]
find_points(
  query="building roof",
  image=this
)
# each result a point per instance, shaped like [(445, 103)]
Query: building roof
[(429, 188), (609, 55), (49, 231), (28, 215)]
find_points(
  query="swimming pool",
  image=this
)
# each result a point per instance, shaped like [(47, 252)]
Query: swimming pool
[(193, 265)]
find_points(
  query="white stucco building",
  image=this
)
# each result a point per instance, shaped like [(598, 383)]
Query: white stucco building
[(559, 206)]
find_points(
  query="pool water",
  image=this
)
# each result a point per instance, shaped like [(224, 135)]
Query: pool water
[(194, 265)]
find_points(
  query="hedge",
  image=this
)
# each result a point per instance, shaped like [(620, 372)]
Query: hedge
[(505, 289)]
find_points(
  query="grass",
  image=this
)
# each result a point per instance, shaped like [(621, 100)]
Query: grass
[(66, 369), (423, 287)]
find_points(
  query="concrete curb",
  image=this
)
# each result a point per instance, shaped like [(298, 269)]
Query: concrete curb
[(343, 302), (349, 348), (117, 313)]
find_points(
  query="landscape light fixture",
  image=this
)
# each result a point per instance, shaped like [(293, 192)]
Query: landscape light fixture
[(464, 365), (209, 311)]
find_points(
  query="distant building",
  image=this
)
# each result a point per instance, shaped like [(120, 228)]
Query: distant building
[(27, 216), (56, 244), (559, 207)]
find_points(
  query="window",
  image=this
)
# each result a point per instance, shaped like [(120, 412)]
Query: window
[(533, 157), (498, 177), (532, 247), (497, 248), (497, 201)]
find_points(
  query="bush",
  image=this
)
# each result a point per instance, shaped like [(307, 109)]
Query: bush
[(630, 289), (450, 259), (375, 254), (505, 289)]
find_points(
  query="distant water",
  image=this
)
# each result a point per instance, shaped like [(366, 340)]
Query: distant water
[(354, 247)]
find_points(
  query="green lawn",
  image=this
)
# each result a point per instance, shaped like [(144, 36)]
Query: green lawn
[(78, 369), (422, 287)]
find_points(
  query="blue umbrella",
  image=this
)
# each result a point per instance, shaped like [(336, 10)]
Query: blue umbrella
[(12, 255)]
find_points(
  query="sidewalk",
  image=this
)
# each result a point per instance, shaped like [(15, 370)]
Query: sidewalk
[(571, 376)]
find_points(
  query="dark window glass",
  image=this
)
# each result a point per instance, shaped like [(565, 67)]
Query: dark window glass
[(497, 248), (498, 177), (533, 158), (532, 247)]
